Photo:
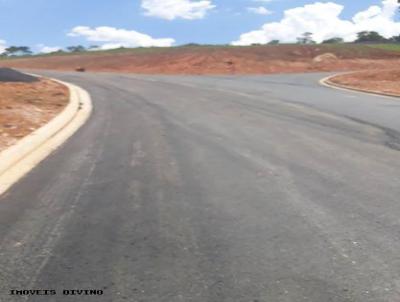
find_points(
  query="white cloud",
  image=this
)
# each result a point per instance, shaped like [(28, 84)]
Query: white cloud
[(379, 18), (47, 49), (323, 19), (174, 9), (115, 37), (261, 10), (3, 46)]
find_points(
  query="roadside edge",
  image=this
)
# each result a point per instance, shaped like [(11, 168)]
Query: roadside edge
[(21, 158), (328, 83)]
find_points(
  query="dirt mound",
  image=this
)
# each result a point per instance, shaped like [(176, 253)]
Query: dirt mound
[(326, 57)]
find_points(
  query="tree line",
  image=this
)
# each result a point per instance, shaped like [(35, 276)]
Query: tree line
[(307, 39), (362, 37), (14, 51), (366, 37)]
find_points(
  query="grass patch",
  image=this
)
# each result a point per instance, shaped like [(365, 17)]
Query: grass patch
[(389, 47), (343, 50)]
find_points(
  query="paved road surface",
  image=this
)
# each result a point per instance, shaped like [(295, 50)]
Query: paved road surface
[(213, 189), (10, 75)]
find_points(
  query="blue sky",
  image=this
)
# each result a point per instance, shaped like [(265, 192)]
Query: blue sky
[(48, 22)]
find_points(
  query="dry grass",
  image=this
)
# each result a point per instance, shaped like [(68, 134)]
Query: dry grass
[(25, 107)]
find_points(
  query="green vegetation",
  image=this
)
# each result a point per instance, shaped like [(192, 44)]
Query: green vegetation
[(17, 51), (364, 42), (122, 50), (369, 36), (306, 38), (335, 45), (78, 48), (333, 41), (274, 42), (389, 47)]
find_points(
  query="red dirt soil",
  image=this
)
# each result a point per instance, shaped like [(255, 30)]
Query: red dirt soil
[(383, 81), (25, 107), (218, 60)]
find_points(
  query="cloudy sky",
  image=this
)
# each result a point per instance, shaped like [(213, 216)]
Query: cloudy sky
[(47, 25)]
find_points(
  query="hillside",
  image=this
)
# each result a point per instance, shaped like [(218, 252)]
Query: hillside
[(218, 59)]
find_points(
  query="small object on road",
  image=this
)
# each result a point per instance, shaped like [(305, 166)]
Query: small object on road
[(80, 69)]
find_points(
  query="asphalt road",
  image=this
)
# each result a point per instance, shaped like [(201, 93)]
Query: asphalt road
[(213, 189), (10, 75)]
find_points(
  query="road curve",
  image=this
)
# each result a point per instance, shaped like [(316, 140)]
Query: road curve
[(257, 188)]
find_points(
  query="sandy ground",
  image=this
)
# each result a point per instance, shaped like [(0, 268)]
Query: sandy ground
[(25, 107), (385, 81), (219, 60)]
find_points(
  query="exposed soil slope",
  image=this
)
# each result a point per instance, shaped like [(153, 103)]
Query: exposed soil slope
[(26, 106), (218, 60), (383, 81)]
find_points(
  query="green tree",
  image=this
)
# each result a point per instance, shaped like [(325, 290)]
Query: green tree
[(77, 48), (335, 40), (274, 42), (395, 39), (191, 44), (18, 51), (369, 37), (306, 38)]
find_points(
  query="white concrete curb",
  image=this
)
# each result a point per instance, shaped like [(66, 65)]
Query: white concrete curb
[(19, 159), (328, 83)]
